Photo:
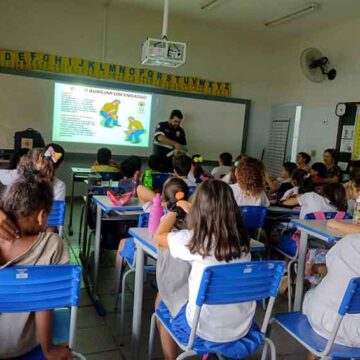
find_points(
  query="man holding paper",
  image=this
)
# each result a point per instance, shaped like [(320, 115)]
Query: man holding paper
[(169, 137)]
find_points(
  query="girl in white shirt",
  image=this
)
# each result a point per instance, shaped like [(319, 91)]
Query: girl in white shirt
[(216, 236), (249, 189), (322, 303), (331, 198)]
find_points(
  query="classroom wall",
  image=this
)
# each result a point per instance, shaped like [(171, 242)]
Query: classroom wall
[(74, 28), (319, 122)]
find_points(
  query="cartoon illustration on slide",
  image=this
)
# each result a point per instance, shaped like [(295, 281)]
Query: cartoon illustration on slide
[(134, 131), (109, 113)]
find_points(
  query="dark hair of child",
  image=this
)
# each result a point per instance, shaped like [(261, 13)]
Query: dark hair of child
[(320, 168), (182, 164), (336, 194), (217, 223), (26, 195), (305, 156), (226, 158), (289, 167), (103, 156), (154, 163), (130, 166), (196, 162), (36, 164), (175, 189), (303, 180)]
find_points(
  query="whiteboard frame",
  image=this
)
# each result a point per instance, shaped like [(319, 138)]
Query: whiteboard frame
[(86, 81)]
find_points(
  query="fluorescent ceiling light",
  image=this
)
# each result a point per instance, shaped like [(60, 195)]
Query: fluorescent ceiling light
[(294, 15), (211, 4)]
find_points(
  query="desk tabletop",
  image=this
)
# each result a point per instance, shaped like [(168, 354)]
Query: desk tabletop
[(81, 170), (104, 184), (319, 229), (106, 205), (146, 239), (283, 210)]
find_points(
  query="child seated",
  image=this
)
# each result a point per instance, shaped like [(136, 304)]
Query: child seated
[(302, 161), (47, 160), (216, 235), (331, 198), (146, 197), (104, 162), (301, 183), (225, 163), (318, 172), (352, 189), (282, 183), (249, 189), (28, 201), (230, 177), (321, 304), (197, 173), (182, 167), (130, 171)]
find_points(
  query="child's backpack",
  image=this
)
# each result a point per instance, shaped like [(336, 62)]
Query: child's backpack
[(28, 139)]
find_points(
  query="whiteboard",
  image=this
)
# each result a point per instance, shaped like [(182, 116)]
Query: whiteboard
[(211, 126)]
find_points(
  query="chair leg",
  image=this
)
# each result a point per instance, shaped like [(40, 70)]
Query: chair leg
[(81, 225), (289, 267), (118, 281), (270, 344), (123, 287), (152, 335)]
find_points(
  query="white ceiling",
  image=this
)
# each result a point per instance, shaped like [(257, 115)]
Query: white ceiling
[(251, 14)]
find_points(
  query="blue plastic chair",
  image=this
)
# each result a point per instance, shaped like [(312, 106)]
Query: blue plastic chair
[(158, 179), (107, 176), (298, 326), (37, 288), (57, 215), (232, 283), (254, 220), (128, 253), (294, 258)]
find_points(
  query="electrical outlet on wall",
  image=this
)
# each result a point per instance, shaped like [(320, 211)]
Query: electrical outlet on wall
[(325, 121), (313, 153)]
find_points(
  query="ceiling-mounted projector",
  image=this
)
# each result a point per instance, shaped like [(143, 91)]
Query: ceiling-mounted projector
[(163, 52), (157, 52)]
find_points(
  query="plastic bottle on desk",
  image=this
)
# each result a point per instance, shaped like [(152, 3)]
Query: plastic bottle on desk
[(357, 211), (156, 213), (148, 179)]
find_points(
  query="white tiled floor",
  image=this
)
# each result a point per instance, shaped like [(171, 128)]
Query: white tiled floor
[(99, 338)]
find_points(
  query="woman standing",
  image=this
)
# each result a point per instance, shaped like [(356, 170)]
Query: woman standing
[(333, 171)]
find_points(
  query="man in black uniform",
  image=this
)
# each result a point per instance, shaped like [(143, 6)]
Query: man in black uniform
[(169, 136)]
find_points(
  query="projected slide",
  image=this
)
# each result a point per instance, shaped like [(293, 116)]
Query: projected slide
[(85, 114)]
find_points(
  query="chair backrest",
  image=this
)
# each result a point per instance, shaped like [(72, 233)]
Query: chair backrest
[(36, 288), (240, 282), (107, 176), (327, 215), (158, 180), (351, 300), (143, 220), (57, 215), (253, 216)]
